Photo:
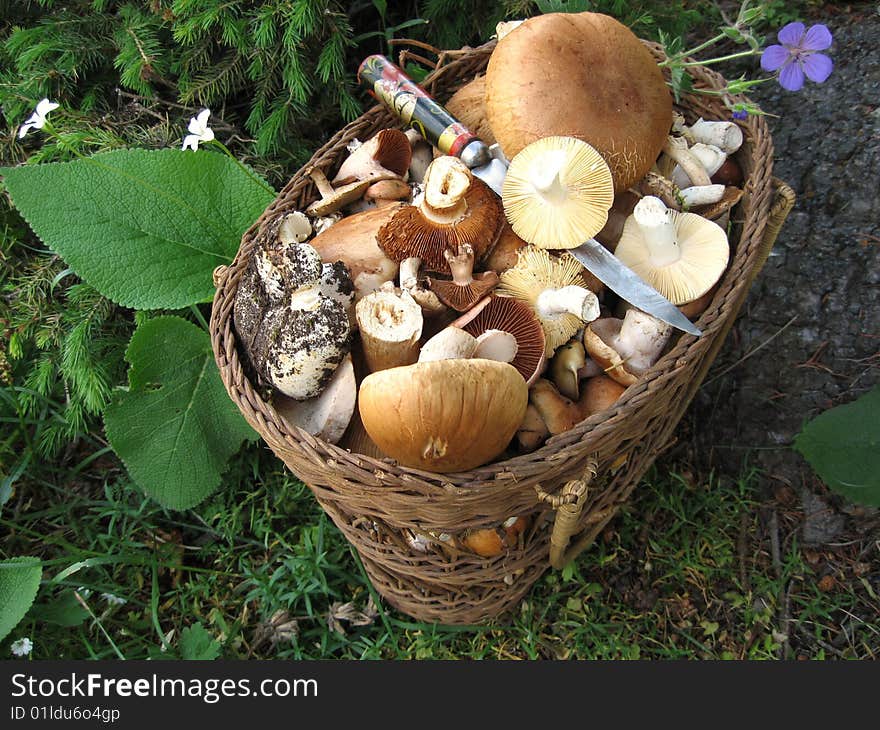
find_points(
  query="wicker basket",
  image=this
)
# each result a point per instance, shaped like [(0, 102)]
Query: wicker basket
[(573, 485)]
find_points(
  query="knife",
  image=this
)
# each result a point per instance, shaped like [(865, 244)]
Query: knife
[(415, 107)]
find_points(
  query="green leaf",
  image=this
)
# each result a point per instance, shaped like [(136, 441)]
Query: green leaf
[(175, 426), (196, 644), (62, 611), (146, 228), (843, 447), (19, 583)]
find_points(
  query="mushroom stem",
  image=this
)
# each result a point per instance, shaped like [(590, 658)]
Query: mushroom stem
[(450, 343), (546, 178), (711, 159), (676, 148), (576, 300), (446, 182), (726, 135), (461, 264), (409, 272), (390, 327), (641, 339), (701, 195), (496, 345), (652, 217)]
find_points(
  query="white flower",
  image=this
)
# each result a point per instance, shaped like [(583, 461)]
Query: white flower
[(22, 647), (113, 600), (199, 131), (38, 118)]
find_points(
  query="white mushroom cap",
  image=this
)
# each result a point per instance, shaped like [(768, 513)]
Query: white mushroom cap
[(681, 255), (326, 416), (295, 228)]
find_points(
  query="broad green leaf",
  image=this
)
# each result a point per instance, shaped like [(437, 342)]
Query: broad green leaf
[(196, 644), (146, 228), (175, 426), (19, 583), (843, 447)]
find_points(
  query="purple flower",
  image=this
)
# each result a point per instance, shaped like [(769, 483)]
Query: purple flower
[(797, 56), (740, 114)]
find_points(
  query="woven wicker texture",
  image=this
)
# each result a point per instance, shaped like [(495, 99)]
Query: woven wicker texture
[(375, 501)]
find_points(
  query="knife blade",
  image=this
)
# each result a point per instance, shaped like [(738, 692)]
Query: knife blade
[(416, 108)]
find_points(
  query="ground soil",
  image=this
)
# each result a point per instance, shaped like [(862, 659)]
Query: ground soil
[(808, 337)]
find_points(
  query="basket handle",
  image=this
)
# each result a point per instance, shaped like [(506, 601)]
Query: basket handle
[(568, 503)]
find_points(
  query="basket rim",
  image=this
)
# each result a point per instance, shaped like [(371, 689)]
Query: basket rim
[(496, 474)]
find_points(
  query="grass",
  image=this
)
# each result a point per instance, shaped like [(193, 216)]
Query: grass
[(692, 569)]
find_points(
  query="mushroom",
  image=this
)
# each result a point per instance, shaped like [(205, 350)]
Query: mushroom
[(720, 210), (619, 211), (387, 192), (559, 413), (532, 432), (291, 313), (358, 441), (411, 282), (295, 228), (551, 287), (469, 107), (725, 135), (711, 159), (557, 192), (353, 241), (583, 75), (510, 315), (493, 541), (496, 345), (386, 154), (444, 416), (626, 348), (390, 326), (565, 368), (681, 255), (456, 208), (449, 343), (677, 150), (327, 415), (332, 199), (697, 195), (422, 155), (465, 289), (505, 252)]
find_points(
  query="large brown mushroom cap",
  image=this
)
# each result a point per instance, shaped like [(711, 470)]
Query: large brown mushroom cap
[(583, 75), (445, 415), (468, 105)]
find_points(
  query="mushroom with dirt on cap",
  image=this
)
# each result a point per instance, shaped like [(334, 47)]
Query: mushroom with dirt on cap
[(681, 255)]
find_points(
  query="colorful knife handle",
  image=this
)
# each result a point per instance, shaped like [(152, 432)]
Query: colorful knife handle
[(390, 85)]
